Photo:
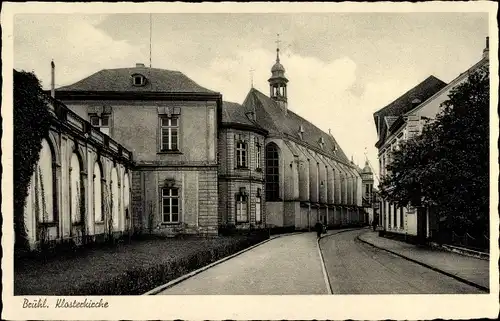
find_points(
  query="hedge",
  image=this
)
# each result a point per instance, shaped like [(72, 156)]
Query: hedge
[(131, 278)]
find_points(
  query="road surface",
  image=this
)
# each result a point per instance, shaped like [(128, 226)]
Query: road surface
[(292, 265), (285, 265), (354, 267)]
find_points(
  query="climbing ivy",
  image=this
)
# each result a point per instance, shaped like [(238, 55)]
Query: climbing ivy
[(31, 125)]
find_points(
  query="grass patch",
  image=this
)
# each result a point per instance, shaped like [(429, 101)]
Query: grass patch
[(125, 269)]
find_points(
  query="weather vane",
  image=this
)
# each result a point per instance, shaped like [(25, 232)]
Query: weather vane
[(278, 41)]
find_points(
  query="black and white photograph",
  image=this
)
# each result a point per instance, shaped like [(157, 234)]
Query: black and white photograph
[(250, 158)]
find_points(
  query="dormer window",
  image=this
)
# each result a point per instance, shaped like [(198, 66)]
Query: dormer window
[(138, 80), (322, 142), (301, 132)]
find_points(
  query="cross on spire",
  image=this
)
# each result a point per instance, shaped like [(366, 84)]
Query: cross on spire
[(251, 76), (278, 41)]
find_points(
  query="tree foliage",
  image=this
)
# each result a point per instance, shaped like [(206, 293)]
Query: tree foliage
[(31, 125), (447, 165)]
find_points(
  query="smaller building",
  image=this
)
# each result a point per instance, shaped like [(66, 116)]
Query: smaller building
[(80, 188), (368, 192)]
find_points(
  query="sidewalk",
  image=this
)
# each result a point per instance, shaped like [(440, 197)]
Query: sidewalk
[(467, 269)]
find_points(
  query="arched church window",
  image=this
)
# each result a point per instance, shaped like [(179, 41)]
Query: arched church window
[(77, 196), (272, 172), (44, 185), (98, 217)]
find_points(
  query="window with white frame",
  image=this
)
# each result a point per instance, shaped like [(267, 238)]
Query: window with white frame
[(241, 154), (241, 207), (169, 140), (101, 122), (170, 205), (258, 208), (257, 154)]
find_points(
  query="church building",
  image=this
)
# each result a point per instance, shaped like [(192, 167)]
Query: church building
[(196, 163), (297, 171)]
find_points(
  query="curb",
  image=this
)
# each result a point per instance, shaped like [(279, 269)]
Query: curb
[(466, 252), (206, 267), (323, 265), (458, 278)]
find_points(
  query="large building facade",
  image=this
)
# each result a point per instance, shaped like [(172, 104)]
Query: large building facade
[(404, 119), (170, 125), (194, 163)]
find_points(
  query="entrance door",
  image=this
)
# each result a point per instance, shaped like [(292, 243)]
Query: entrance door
[(421, 224)]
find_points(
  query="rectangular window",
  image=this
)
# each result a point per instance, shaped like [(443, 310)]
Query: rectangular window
[(395, 216), (169, 134), (241, 155), (258, 218), (170, 205), (241, 209), (389, 213), (402, 218), (101, 122), (257, 158)]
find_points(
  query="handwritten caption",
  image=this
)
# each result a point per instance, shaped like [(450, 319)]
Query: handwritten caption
[(44, 303)]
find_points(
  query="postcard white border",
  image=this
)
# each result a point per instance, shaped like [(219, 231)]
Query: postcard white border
[(250, 307)]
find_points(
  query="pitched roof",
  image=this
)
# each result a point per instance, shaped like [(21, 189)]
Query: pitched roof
[(120, 80), (389, 120), (271, 117), (403, 104)]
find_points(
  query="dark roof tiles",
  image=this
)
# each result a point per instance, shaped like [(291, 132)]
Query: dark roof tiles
[(120, 80), (274, 120), (234, 113), (403, 104)]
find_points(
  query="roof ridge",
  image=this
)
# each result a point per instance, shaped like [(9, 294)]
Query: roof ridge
[(430, 77)]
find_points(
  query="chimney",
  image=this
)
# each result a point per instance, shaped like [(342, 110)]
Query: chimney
[(486, 51), (139, 65), (53, 79)]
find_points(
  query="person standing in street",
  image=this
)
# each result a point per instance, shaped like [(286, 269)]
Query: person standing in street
[(319, 228), (374, 224)]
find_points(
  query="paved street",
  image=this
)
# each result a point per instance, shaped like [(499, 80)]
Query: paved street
[(292, 265), (285, 265), (357, 268)]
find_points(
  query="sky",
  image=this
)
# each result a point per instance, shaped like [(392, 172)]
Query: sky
[(342, 67)]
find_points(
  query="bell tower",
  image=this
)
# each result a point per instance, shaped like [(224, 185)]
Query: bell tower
[(278, 81)]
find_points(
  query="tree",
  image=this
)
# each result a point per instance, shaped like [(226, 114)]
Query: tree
[(447, 165), (31, 125)]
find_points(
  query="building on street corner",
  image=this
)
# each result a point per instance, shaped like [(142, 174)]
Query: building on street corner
[(401, 120)]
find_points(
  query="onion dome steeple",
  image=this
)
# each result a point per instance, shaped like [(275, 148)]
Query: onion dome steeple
[(278, 81)]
